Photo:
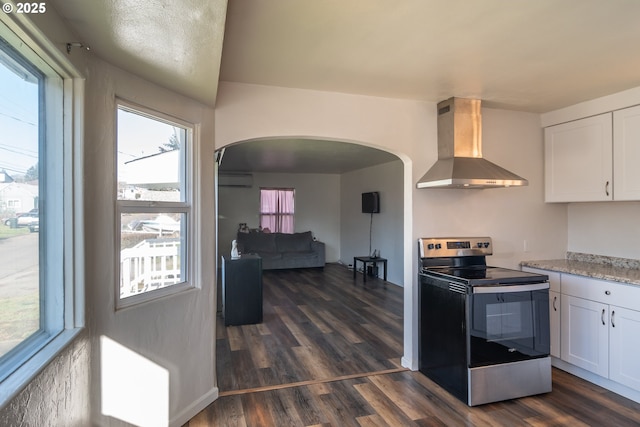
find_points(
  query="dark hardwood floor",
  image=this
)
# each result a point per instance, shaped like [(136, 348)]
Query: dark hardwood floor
[(328, 354)]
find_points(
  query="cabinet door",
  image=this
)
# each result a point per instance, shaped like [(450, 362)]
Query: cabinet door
[(554, 322), (578, 160), (625, 347), (626, 154), (585, 334)]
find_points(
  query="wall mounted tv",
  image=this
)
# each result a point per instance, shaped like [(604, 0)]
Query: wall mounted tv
[(371, 202)]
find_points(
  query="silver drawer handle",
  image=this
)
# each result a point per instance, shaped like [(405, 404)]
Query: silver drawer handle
[(555, 299), (613, 321), (606, 188), (602, 317)]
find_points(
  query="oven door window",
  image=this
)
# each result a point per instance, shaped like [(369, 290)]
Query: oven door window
[(508, 327)]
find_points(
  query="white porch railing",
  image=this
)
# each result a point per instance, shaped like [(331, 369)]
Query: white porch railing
[(151, 264)]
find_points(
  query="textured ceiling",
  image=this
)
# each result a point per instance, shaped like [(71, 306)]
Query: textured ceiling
[(176, 45), (526, 55), (529, 55)]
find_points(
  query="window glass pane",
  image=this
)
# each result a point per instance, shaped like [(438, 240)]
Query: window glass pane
[(19, 200), (151, 251), (150, 158)]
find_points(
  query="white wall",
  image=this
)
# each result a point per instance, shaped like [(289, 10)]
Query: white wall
[(175, 333), (387, 226), (408, 129), (607, 228), (317, 205)]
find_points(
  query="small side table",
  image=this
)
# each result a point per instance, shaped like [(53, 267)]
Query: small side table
[(368, 260)]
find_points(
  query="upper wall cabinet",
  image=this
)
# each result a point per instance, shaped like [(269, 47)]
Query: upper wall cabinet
[(594, 159), (626, 154), (578, 160)]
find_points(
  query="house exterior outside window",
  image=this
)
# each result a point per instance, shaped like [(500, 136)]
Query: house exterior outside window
[(153, 204)]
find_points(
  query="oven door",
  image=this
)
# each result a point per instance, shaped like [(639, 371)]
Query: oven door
[(508, 323)]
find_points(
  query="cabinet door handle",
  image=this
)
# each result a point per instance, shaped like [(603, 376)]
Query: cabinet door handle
[(555, 299), (606, 188), (602, 317), (613, 321)]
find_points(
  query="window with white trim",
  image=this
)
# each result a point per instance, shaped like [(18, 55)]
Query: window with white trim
[(41, 270), (154, 208)]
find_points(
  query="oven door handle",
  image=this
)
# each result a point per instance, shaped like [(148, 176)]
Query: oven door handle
[(510, 288)]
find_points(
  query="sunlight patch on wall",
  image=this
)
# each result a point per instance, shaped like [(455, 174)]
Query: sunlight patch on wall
[(134, 389)]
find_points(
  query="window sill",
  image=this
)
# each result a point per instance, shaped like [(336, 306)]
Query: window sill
[(18, 380)]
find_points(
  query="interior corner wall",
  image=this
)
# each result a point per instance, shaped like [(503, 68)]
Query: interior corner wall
[(386, 227), (317, 208), (176, 334)]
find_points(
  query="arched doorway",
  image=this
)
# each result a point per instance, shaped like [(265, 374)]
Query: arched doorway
[(284, 158)]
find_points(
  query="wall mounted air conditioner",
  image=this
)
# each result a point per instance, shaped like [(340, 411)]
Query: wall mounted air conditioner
[(235, 180)]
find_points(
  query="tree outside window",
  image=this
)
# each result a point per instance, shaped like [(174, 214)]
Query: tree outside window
[(277, 208)]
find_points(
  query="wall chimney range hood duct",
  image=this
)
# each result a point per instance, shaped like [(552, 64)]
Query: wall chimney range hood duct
[(460, 163)]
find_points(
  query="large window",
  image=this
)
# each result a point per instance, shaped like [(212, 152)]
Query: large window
[(21, 85), (277, 209), (153, 203), (41, 296)]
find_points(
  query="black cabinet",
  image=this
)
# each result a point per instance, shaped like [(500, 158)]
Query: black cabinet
[(242, 290)]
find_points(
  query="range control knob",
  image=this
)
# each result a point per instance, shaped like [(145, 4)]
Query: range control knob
[(486, 244), (430, 246), (438, 246), (479, 244)]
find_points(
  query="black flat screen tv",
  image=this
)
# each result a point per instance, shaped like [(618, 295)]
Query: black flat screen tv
[(371, 202)]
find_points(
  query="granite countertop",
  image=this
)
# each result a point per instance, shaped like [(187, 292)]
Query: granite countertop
[(599, 267)]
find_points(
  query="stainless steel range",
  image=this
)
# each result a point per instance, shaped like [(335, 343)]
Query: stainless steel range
[(483, 331)]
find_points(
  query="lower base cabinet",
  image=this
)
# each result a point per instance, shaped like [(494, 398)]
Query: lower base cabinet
[(601, 329), (624, 342), (595, 326), (585, 334)]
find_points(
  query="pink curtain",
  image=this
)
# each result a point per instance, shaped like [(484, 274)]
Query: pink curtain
[(277, 209)]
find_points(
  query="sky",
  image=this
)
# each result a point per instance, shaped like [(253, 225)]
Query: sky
[(18, 122), (138, 136)]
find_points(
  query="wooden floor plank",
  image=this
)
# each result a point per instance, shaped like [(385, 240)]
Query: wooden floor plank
[(328, 354)]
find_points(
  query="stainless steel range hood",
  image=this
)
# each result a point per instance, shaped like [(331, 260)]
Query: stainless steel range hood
[(460, 163)]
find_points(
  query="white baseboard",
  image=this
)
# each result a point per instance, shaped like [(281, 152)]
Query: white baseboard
[(195, 408)]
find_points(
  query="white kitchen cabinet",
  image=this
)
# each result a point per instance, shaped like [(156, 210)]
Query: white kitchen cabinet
[(626, 154), (585, 334), (599, 330), (602, 326), (624, 342), (594, 159), (578, 160)]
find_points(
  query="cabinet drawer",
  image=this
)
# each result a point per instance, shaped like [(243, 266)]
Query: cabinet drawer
[(613, 293)]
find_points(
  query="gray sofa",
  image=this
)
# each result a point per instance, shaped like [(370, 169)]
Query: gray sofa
[(280, 251)]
